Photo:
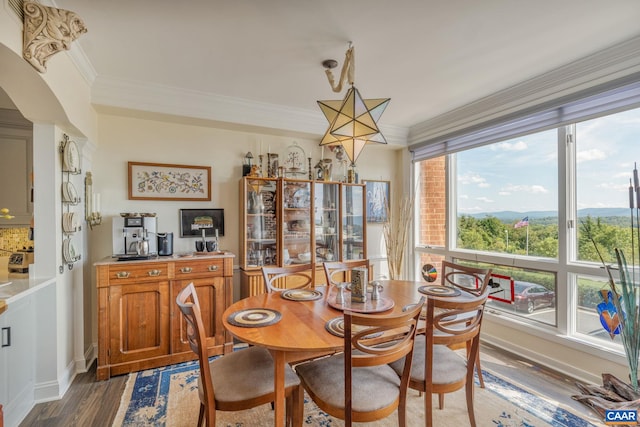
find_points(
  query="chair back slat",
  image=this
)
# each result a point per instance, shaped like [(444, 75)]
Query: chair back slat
[(470, 279), (336, 271), (278, 279)]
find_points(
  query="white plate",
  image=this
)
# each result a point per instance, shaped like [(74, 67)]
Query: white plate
[(72, 194), (71, 157), (72, 251), (65, 249)]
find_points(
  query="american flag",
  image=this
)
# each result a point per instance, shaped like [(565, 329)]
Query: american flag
[(524, 222)]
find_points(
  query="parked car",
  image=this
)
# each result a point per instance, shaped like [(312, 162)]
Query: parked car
[(530, 296)]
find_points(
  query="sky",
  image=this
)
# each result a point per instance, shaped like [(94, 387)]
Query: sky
[(521, 174)]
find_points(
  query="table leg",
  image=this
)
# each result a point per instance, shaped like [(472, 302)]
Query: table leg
[(280, 364)]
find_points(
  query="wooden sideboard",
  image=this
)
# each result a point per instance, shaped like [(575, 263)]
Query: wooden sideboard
[(139, 323)]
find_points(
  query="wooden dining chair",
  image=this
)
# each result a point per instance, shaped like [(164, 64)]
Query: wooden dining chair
[(236, 381), (470, 279), (278, 279), (436, 368), (359, 385), (336, 271)]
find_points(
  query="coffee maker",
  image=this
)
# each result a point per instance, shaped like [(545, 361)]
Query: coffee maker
[(134, 236)]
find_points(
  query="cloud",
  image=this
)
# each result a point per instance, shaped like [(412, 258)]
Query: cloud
[(471, 179), (509, 146), (531, 189), (588, 155), (484, 199)]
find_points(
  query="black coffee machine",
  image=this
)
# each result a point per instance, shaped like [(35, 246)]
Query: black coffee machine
[(165, 244)]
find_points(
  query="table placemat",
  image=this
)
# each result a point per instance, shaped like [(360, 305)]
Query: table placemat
[(335, 327), (301, 294), (254, 317), (370, 306), (439, 291)]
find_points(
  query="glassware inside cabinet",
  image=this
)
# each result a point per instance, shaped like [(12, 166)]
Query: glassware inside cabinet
[(353, 222), (325, 221), (262, 224), (296, 222)]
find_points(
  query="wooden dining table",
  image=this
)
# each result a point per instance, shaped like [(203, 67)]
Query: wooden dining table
[(300, 333)]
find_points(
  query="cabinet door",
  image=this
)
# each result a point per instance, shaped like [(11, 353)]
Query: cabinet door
[(259, 223), (297, 246), (211, 296), (17, 357), (353, 226), (139, 321), (325, 221)]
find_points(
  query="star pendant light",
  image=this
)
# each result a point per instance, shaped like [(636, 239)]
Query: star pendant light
[(353, 120)]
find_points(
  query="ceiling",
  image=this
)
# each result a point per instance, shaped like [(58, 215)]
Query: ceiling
[(428, 56)]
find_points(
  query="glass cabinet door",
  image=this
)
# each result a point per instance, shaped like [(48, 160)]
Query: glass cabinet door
[(296, 222), (353, 226), (261, 222), (326, 221)]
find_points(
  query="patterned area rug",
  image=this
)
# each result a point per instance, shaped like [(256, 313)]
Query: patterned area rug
[(168, 396)]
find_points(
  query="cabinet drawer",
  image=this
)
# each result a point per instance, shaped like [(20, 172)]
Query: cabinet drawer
[(205, 267), (138, 272)]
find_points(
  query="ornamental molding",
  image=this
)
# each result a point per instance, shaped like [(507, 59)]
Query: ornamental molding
[(47, 31)]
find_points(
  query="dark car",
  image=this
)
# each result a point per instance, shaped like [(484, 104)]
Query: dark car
[(529, 296)]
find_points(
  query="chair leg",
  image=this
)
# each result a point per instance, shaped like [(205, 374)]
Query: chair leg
[(469, 393), (428, 409), (201, 415), (297, 404), (479, 371), (441, 401)]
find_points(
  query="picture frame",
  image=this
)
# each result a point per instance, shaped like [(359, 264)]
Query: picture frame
[(158, 181), (193, 221), (378, 195)]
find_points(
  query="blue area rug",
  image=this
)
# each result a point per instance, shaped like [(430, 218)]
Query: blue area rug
[(168, 396)]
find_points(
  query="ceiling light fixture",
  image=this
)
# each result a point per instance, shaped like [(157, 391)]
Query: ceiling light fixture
[(352, 120)]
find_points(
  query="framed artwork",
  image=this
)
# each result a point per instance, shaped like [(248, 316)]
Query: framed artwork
[(156, 181), (193, 221), (378, 197)]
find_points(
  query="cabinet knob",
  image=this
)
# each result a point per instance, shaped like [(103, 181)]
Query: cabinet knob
[(186, 270), (122, 274), (213, 268), (154, 273)]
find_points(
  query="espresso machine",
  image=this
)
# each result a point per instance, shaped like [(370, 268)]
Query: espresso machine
[(135, 236)]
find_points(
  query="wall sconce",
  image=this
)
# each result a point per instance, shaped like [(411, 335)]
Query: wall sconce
[(91, 203), (246, 166)]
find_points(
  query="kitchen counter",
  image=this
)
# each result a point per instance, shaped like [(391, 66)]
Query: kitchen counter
[(12, 290)]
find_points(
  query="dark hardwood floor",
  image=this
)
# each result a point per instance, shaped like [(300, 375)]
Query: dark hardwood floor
[(95, 403), (87, 403)]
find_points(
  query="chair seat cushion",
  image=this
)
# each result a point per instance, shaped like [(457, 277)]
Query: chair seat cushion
[(245, 374), (373, 387), (448, 366)]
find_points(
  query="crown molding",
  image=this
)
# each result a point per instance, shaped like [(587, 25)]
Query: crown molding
[(164, 100), (605, 66)]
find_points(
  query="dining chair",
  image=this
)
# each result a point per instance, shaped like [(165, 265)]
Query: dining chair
[(471, 279), (438, 369), (359, 385), (236, 381), (278, 279), (337, 271)]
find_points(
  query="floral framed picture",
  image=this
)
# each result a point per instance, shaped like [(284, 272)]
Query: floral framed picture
[(156, 181), (378, 197)]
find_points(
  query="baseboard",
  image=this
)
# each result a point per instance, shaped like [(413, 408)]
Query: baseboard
[(19, 407), (54, 390)]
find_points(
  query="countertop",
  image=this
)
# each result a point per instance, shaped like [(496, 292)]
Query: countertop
[(12, 289), (175, 257)]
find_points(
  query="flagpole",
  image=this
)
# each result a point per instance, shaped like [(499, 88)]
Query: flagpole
[(527, 237)]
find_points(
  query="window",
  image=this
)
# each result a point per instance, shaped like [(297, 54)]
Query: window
[(516, 203), (507, 196)]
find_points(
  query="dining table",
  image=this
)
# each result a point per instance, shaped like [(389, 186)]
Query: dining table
[(298, 329)]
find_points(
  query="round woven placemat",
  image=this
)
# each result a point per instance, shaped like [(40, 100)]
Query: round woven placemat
[(254, 317)]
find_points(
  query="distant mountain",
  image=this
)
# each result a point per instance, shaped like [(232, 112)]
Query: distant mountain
[(508, 216)]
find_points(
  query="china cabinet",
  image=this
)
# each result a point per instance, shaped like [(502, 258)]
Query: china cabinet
[(292, 221)]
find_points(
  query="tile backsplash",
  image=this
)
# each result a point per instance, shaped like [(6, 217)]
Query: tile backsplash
[(14, 239)]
